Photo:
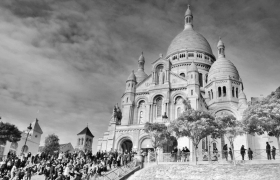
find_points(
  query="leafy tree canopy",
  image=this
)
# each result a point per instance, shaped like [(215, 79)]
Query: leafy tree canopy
[(229, 126), (264, 116), (9, 132), (158, 134), (194, 124), (51, 144)]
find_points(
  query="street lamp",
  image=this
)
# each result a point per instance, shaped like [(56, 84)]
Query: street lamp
[(29, 128)]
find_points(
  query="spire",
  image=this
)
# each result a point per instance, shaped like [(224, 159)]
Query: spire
[(141, 62), (188, 18), (131, 77), (221, 48)]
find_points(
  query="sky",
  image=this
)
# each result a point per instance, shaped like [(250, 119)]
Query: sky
[(65, 62)]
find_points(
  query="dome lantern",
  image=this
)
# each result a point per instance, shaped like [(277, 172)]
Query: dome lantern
[(188, 18), (140, 73), (221, 48)]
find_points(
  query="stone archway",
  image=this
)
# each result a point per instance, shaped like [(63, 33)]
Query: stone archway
[(125, 144)]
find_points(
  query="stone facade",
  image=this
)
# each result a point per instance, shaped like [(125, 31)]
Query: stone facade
[(189, 70)]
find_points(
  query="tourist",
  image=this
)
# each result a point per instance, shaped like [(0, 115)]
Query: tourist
[(215, 154), (250, 154), (225, 151), (242, 152), (273, 151), (268, 149), (230, 153)]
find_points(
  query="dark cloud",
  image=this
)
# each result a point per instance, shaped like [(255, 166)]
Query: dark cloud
[(69, 59)]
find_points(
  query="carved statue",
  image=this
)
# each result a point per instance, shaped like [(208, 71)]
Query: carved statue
[(161, 77), (117, 114)]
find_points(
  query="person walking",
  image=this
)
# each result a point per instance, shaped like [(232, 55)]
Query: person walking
[(273, 151), (225, 151), (230, 153), (250, 154), (268, 151), (242, 152)]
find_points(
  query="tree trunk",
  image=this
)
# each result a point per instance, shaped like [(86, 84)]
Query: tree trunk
[(195, 155), (233, 154), (277, 137), (155, 149)]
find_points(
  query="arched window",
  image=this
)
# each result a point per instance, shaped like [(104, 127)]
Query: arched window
[(191, 92), (236, 92), (182, 74), (219, 91), (200, 79), (159, 106), (127, 99), (206, 78), (191, 76), (224, 91), (82, 141), (128, 84), (212, 93), (232, 91)]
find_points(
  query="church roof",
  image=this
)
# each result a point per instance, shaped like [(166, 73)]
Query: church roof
[(86, 131), (131, 77), (36, 127), (223, 68), (188, 11), (141, 58), (189, 39)]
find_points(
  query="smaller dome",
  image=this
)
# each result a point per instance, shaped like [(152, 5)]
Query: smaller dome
[(131, 77), (140, 75), (222, 68), (188, 11), (192, 68)]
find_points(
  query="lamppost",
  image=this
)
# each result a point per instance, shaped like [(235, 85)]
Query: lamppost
[(29, 128)]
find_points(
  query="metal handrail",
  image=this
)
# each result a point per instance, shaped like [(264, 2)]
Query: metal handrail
[(120, 171)]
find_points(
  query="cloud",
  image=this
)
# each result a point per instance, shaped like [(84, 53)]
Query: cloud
[(70, 59)]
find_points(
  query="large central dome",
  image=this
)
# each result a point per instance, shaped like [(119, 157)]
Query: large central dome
[(190, 40)]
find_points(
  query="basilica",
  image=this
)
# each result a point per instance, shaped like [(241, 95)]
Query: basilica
[(188, 70)]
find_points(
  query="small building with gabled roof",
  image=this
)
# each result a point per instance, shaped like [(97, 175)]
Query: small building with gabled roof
[(84, 140)]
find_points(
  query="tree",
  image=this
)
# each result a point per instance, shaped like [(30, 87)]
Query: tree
[(229, 127), (51, 144), (158, 134), (9, 132), (194, 124), (264, 116)]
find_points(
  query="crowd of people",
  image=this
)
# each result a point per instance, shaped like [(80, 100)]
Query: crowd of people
[(182, 155), (62, 166)]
